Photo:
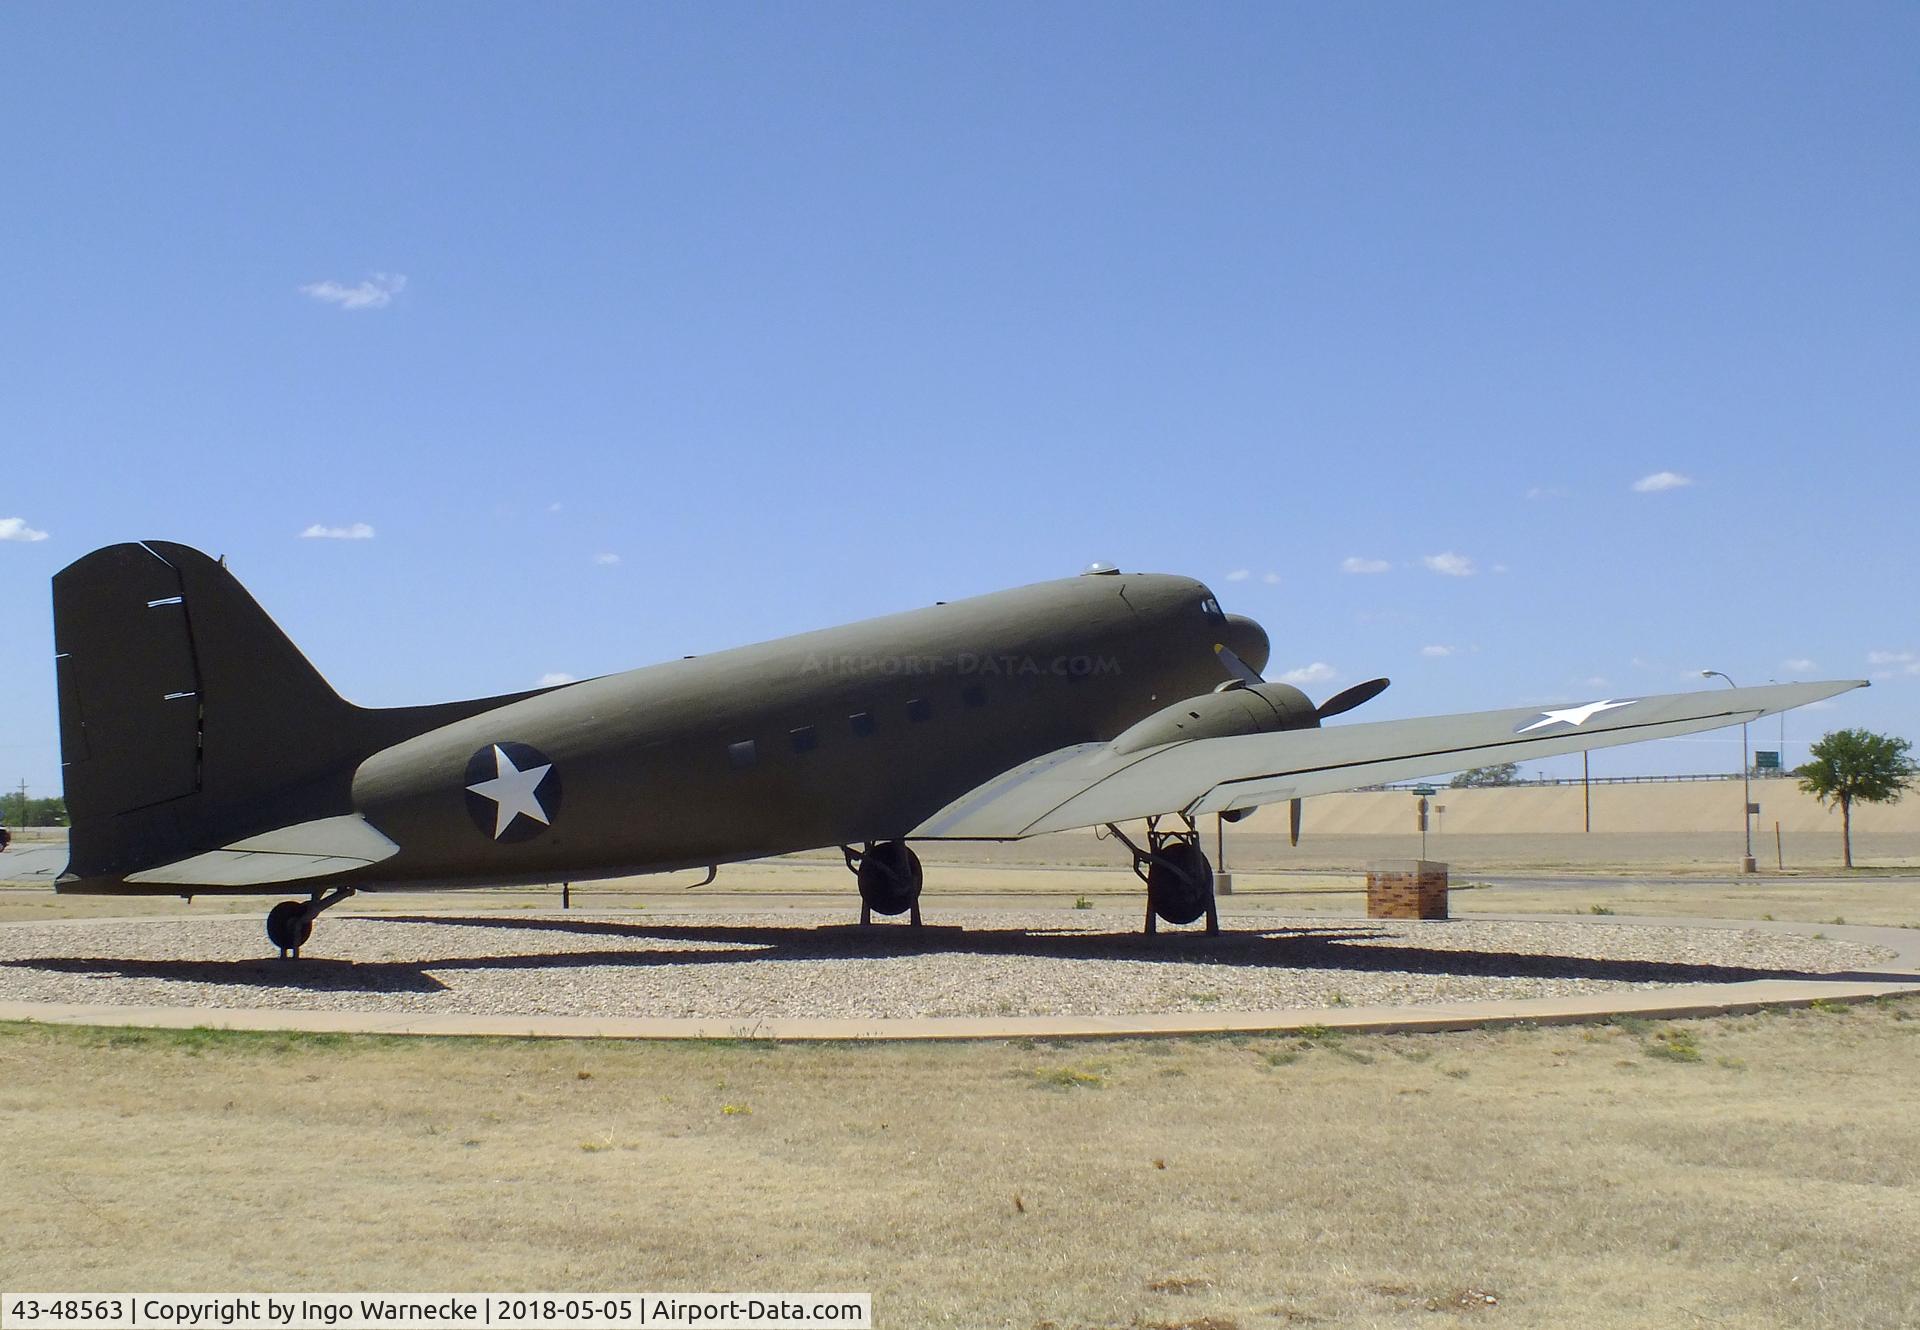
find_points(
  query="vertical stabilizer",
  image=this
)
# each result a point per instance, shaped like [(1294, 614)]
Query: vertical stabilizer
[(186, 716)]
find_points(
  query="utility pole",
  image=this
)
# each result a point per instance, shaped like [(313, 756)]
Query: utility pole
[(23, 802), (1746, 779), (1586, 790)]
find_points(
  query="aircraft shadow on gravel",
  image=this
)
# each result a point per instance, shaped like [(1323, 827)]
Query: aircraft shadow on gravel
[(1337, 947)]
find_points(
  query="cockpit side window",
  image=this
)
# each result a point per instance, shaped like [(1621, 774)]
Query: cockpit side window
[(1211, 608)]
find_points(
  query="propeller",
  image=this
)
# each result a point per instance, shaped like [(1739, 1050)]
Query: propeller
[(1348, 698), (1239, 669), (1341, 702), (1244, 675)]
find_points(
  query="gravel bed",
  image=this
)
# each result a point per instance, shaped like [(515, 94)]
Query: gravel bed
[(809, 963)]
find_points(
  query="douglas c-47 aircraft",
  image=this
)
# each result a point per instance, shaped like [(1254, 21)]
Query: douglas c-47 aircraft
[(203, 754)]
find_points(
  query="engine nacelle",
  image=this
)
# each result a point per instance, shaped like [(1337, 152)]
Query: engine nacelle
[(1250, 709)]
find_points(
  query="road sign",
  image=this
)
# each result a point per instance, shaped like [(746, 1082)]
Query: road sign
[(1425, 791), (1766, 759)]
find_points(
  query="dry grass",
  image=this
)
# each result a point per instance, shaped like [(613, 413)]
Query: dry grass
[(1762, 1171), (1893, 902), (1740, 1171)]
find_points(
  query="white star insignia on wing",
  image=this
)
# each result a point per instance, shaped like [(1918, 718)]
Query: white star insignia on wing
[(513, 791), (1575, 716)]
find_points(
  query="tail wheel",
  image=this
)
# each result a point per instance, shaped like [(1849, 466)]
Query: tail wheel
[(890, 878), (289, 925), (1179, 882)]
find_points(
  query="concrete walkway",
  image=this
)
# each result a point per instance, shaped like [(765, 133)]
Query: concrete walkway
[(1898, 976)]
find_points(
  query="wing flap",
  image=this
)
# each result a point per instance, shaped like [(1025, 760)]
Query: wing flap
[(1089, 785)]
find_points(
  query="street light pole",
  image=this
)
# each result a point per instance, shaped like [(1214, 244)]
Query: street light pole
[(1746, 779)]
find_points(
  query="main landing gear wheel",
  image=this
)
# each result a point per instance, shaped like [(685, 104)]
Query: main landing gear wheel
[(889, 876), (1180, 886), (1178, 876), (288, 927), (290, 923)]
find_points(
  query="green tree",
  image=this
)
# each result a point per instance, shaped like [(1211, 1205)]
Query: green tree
[(1856, 766), (1503, 773), (17, 810)]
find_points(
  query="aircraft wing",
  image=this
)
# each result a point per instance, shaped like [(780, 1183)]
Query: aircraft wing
[(1089, 784)]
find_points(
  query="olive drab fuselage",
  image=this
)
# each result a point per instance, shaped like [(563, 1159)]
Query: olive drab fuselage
[(848, 735)]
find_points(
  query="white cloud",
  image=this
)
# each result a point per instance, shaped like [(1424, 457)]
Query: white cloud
[(16, 528), (1318, 672), (1449, 564), (553, 678), (1595, 681), (1661, 480), (1436, 651), (606, 560), (358, 531), (1894, 664), (1798, 665), (1499, 568), (554, 507), (1356, 564), (1239, 574), (376, 292), (1547, 492), (1271, 579)]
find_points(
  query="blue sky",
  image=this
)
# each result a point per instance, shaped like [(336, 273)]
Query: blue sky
[(806, 313)]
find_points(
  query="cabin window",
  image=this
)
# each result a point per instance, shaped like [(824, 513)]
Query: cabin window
[(743, 754), (861, 723), (804, 739), (919, 709), (974, 695)]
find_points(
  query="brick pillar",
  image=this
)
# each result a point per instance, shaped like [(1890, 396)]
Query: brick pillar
[(1406, 889)]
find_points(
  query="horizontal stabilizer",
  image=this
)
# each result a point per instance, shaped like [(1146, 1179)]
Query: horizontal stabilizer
[(290, 854), (35, 866)]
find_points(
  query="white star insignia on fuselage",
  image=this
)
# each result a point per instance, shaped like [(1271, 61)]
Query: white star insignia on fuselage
[(512, 790), (1575, 716)]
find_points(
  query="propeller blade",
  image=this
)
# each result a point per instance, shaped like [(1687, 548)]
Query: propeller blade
[(1293, 821), (1349, 698), (1238, 668)]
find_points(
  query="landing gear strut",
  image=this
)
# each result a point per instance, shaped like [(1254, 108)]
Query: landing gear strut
[(1179, 879), (290, 923), (889, 876)]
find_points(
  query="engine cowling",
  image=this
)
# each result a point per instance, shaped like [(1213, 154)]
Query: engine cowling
[(1239, 709)]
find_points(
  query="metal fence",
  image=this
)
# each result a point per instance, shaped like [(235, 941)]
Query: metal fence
[(1757, 776)]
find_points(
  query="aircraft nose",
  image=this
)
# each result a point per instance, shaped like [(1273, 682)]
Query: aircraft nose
[(1249, 641)]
